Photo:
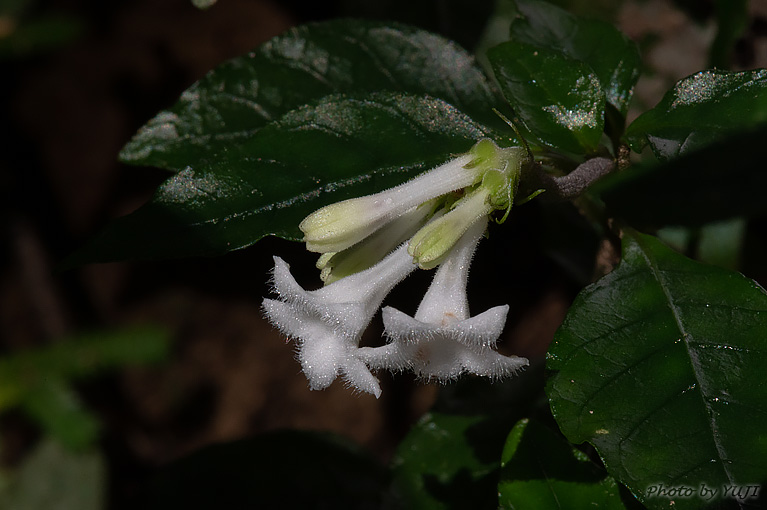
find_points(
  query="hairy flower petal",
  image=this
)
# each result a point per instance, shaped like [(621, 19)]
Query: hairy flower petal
[(327, 323), (442, 340)]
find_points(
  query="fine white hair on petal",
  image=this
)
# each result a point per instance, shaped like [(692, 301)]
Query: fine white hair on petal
[(327, 323), (442, 340), (358, 376), (390, 357), (494, 364), (324, 354), (364, 290), (482, 330)]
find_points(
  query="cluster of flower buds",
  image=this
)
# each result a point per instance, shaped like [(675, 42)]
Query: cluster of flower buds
[(369, 244)]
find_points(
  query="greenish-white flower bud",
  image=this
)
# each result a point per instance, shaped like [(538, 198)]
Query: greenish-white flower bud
[(430, 244), (343, 224)]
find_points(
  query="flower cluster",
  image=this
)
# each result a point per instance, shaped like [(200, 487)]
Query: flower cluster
[(368, 245)]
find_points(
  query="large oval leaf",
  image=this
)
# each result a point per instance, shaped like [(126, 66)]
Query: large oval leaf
[(699, 109), (313, 156), (660, 365), (610, 53), (559, 99), (238, 98)]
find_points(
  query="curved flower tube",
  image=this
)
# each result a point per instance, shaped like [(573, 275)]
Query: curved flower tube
[(442, 340), (328, 323)]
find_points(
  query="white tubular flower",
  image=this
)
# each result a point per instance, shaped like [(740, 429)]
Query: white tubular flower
[(328, 323), (442, 341), (323, 352), (337, 226)]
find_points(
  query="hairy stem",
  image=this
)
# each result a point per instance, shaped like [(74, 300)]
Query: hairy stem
[(568, 186)]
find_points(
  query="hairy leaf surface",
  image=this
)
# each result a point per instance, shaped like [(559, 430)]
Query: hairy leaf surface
[(337, 149), (234, 101)]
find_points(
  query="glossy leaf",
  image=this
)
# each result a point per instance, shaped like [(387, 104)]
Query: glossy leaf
[(448, 461), (558, 99), (659, 365), (233, 102), (283, 469), (338, 149), (539, 469), (700, 109), (723, 180), (610, 53)]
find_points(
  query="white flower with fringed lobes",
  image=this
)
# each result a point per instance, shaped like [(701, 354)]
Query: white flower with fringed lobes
[(368, 245)]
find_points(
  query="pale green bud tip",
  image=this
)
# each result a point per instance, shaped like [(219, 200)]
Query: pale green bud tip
[(432, 243), (335, 226)]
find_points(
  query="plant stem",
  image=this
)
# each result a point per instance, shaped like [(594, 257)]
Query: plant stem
[(568, 186)]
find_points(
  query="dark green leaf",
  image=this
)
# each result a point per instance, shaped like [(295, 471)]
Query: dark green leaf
[(732, 17), (613, 56), (539, 469), (338, 149), (285, 469), (55, 478), (559, 99), (721, 181), (227, 107), (448, 461), (699, 109), (660, 365)]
